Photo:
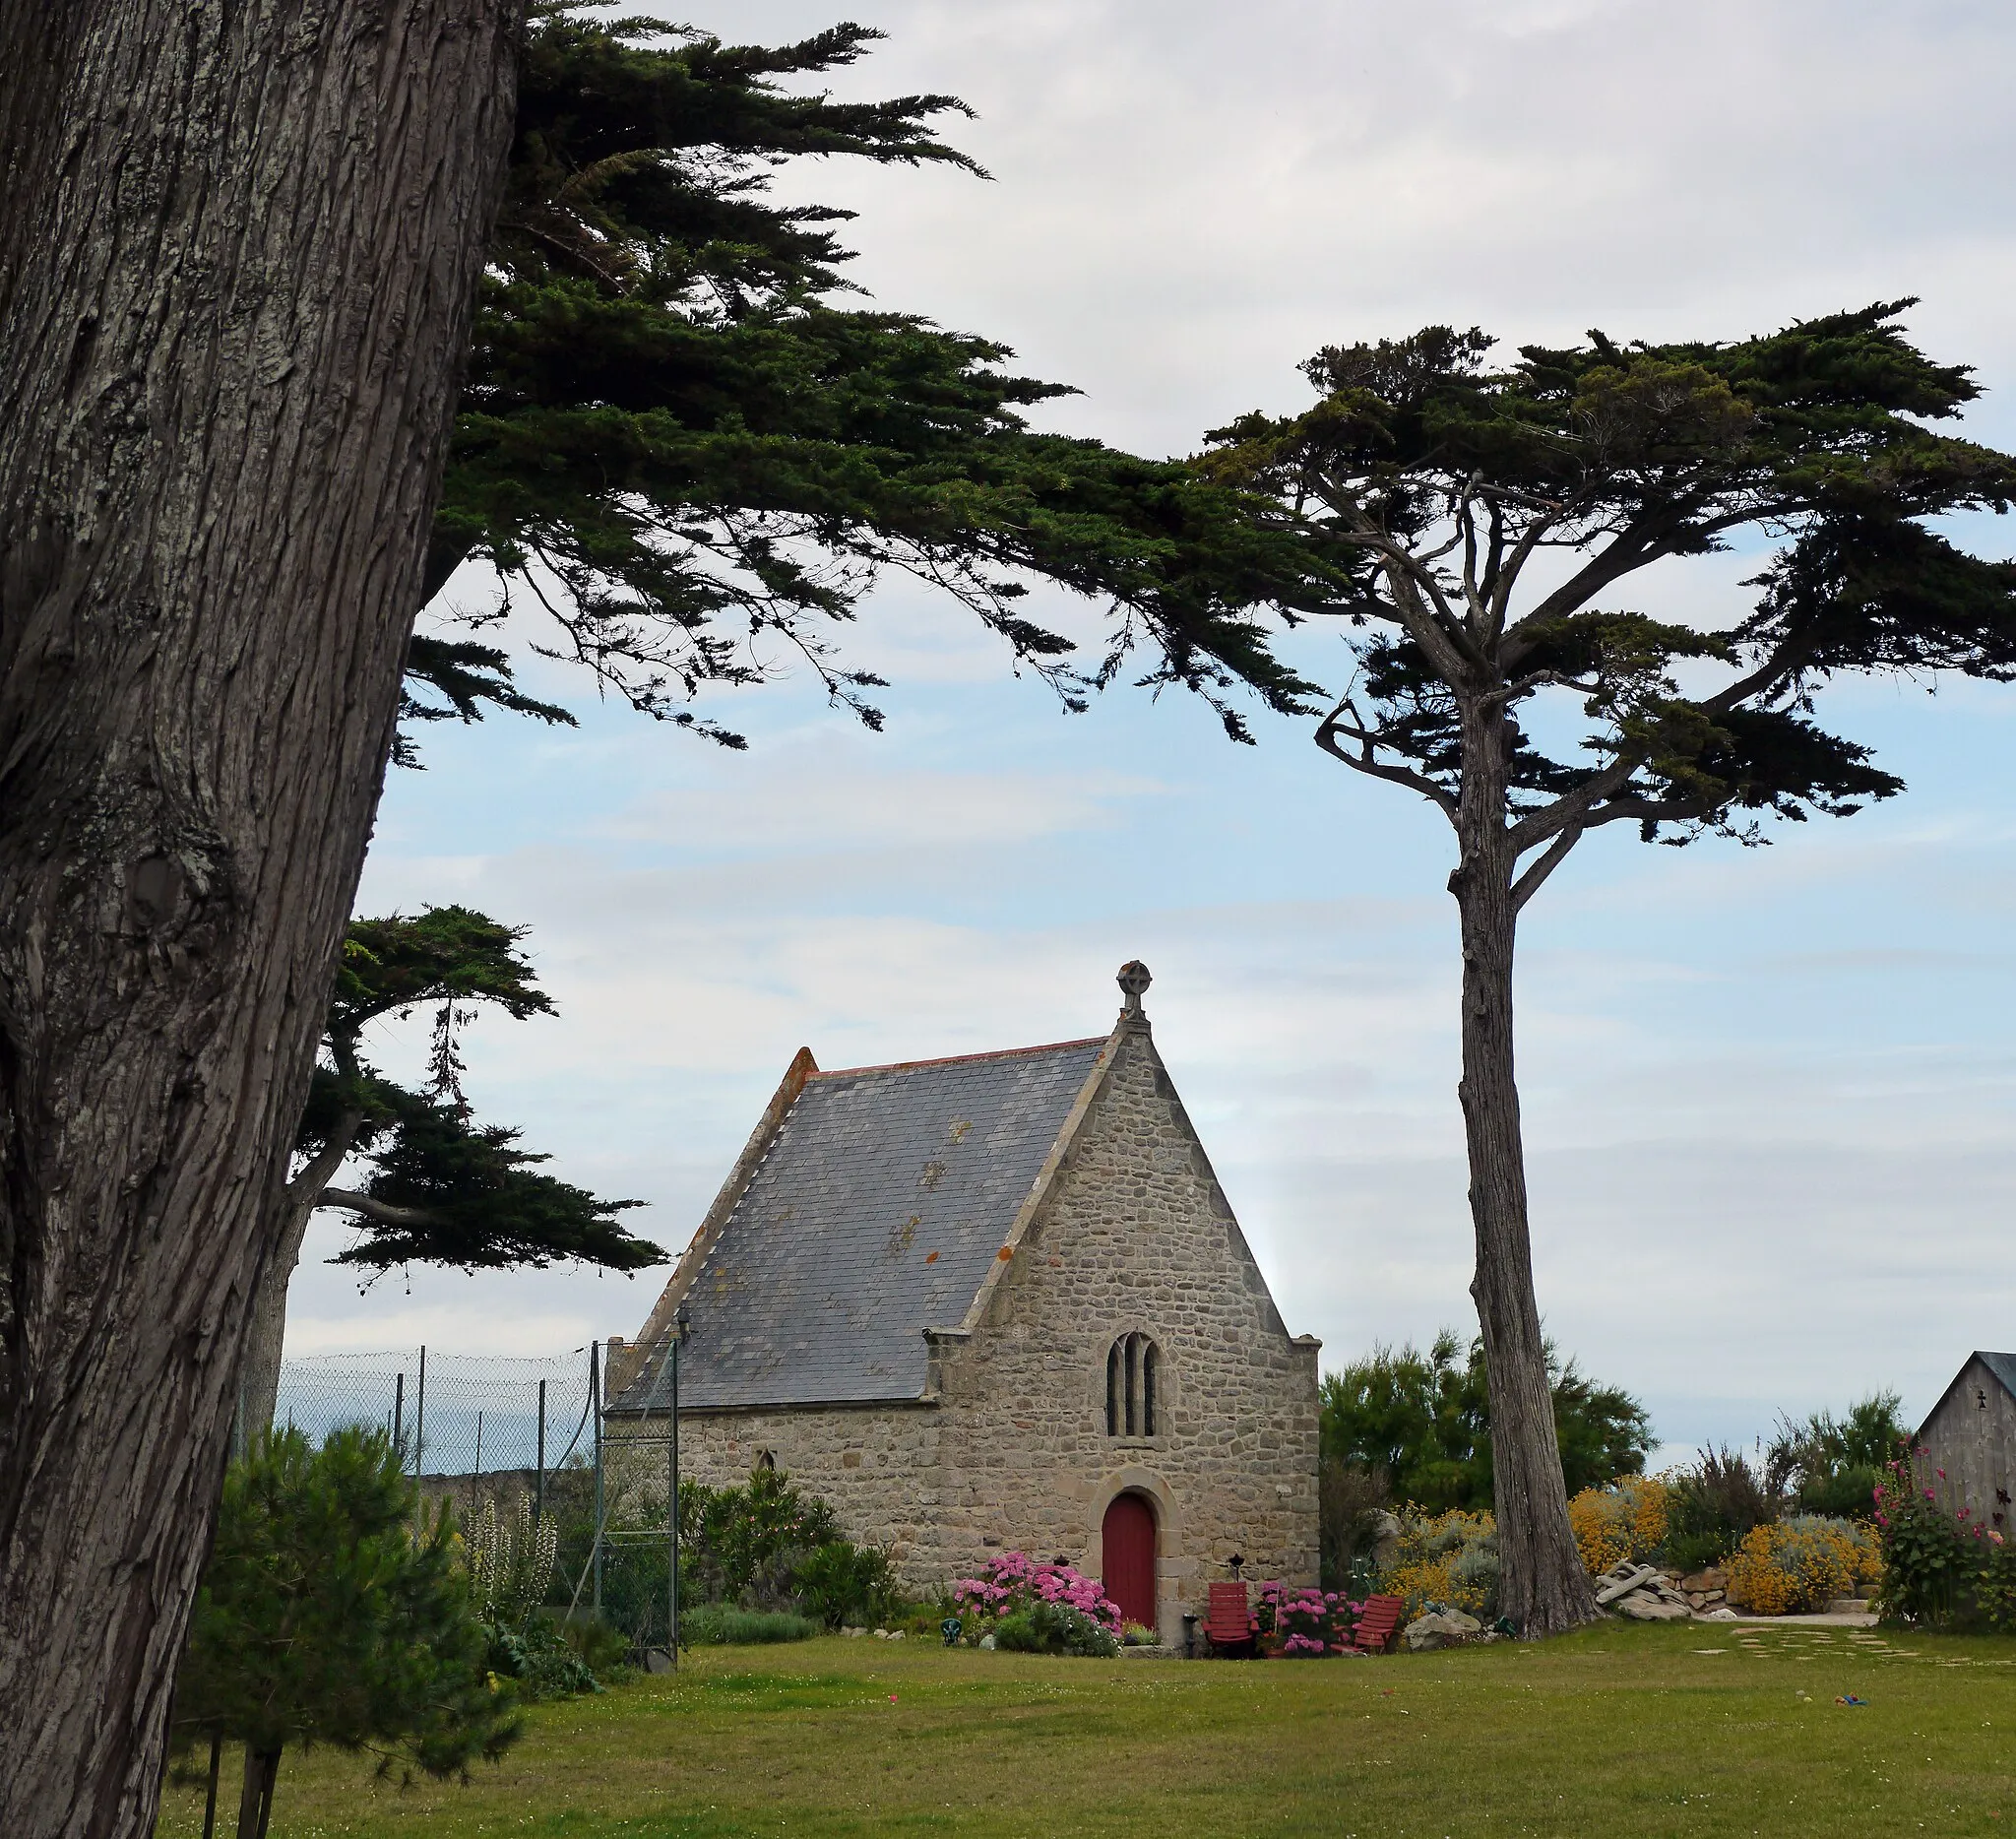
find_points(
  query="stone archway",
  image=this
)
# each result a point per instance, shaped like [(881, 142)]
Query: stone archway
[(1171, 1564)]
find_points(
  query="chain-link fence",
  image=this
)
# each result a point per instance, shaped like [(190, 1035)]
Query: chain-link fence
[(479, 1427)]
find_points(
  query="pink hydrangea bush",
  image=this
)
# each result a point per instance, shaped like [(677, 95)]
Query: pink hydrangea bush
[(1016, 1581), (1306, 1622)]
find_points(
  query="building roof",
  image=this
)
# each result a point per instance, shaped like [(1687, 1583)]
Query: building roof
[(879, 1204), (2002, 1365)]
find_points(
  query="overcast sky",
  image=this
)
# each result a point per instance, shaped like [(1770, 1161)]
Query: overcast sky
[(1768, 1094)]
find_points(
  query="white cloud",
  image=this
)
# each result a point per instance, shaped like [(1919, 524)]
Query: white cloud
[(1769, 1096)]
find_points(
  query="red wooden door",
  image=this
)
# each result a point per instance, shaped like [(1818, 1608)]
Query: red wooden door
[(1127, 1547)]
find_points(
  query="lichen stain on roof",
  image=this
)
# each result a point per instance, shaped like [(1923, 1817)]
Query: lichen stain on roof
[(881, 1201)]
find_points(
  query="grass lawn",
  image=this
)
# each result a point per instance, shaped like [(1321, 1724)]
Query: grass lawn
[(1623, 1730)]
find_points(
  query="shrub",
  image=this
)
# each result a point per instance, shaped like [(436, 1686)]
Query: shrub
[(721, 1625), (1831, 1465), (1624, 1521), (840, 1583), (1449, 1559), (1801, 1564), (1348, 1502), (1308, 1622), (1015, 1582), (1939, 1567), (539, 1656), (744, 1544), (1711, 1508), (1044, 1626)]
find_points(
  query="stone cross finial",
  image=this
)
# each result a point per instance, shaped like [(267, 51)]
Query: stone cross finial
[(1133, 981)]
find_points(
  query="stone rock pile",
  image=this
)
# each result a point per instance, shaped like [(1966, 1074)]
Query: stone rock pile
[(1641, 1592), (1644, 1592)]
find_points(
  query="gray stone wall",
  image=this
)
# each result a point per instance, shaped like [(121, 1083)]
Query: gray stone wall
[(1137, 1237), (1011, 1453), (1972, 1435)]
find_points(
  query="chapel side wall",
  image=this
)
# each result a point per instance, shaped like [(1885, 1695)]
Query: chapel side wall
[(1972, 1435), (875, 1464), (1135, 1234)]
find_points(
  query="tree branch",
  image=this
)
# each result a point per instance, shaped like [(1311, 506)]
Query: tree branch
[(1575, 808), (1529, 883), (383, 1212), (314, 1180), (1364, 761)]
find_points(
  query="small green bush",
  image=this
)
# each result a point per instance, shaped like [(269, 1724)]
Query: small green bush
[(721, 1625), (604, 1650), (839, 1583), (1712, 1508), (1054, 1628), (541, 1658)]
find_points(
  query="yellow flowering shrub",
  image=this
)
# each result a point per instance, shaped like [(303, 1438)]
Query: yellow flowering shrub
[(1626, 1520), (1796, 1565), (1446, 1557)]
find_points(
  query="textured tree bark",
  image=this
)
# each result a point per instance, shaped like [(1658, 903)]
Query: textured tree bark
[(238, 249), (1543, 1586), (265, 1333)]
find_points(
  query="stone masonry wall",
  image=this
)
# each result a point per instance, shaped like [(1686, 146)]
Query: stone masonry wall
[(874, 1465), (1013, 1454), (1137, 1236)]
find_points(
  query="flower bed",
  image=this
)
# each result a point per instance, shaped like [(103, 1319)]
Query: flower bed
[(1298, 1623), (1047, 1596), (1800, 1563), (1625, 1521)]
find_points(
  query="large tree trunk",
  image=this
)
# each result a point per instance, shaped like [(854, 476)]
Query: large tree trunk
[(237, 250), (1543, 1586)]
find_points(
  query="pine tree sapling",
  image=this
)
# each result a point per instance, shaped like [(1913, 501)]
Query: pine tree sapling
[(1475, 526), (325, 1619), (442, 1188)]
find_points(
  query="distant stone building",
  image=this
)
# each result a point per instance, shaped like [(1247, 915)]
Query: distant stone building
[(1972, 1435), (990, 1303)]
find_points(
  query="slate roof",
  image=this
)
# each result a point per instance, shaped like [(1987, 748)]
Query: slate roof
[(875, 1213)]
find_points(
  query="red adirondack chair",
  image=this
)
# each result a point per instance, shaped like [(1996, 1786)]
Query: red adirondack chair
[(1228, 1620), (1378, 1624)]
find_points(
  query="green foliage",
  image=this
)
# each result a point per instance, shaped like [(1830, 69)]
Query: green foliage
[(1711, 1506), (744, 1544), (838, 1582), (443, 1188), (721, 1624), (1042, 1627), (678, 439), (537, 1653), (324, 1617), (1422, 1423), (1833, 1466), (767, 1545), (1425, 481)]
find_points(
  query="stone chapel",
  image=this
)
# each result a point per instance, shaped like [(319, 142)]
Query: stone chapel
[(989, 1303)]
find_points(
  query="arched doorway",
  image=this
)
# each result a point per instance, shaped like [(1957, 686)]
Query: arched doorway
[(1127, 1558)]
